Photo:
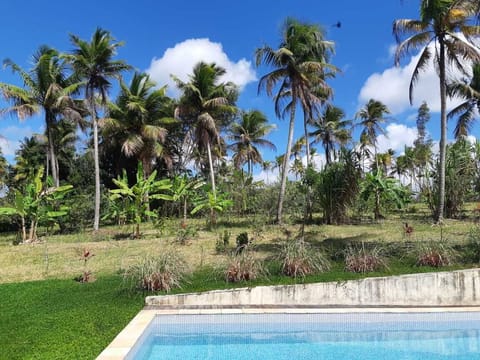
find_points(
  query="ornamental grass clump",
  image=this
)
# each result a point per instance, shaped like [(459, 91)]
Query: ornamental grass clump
[(243, 267), (435, 254), (157, 273), (300, 259), (362, 259)]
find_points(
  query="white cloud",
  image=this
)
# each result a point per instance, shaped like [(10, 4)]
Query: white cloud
[(181, 59), (392, 86), (396, 137), (11, 137)]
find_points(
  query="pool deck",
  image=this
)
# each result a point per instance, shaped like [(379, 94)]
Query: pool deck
[(126, 339)]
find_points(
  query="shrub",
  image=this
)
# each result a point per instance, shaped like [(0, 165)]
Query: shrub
[(472, 248), (243, 267), (362, 260), (435, 254), (223, 240), (186, 233), (157, 273), (242, 241), (299, 259)]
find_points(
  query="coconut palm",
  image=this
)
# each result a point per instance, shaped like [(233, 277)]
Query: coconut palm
[(331, 130), (46, 89), (371, 116), (93, 63), (300, 69), (466, 111), (444, 33), (247, 135), (137, 121), (206, 103)]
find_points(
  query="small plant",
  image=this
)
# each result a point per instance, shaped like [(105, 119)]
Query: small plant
[(243, 267), (157, 273), (223, 240), (87, 275), (186, 233), (299, 259), (435, 254), (362, 260), (472, 248), (242, 242)]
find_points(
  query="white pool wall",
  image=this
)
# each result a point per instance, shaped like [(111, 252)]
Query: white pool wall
[(454, 288)]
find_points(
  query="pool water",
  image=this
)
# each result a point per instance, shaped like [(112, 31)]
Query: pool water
[(426, 336)]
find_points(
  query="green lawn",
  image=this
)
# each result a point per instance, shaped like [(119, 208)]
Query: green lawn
[(62, 319)]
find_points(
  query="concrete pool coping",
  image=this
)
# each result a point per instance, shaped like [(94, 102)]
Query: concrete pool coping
[(127, 338)]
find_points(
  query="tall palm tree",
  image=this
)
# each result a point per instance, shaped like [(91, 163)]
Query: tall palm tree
[(93, 63), (331, 130), (137, 121), (300, 69), (466, 111), (47, 89), (444, 33), (247, 135), (371, 116), (206, 103)]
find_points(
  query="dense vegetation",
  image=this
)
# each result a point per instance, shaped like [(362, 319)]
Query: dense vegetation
[(161, 173)]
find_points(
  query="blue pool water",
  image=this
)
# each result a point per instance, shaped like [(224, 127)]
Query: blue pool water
[(425, 336)]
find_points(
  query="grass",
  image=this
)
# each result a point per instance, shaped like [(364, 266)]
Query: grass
[(63, 319), (58, 318), (59, 256)]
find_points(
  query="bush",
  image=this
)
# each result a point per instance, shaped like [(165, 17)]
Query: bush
[(157, 273), (242, 241), (223, 240), (243, 267), (472, 248), (362, 260), (435, 254), (186, 233), (299, 259)]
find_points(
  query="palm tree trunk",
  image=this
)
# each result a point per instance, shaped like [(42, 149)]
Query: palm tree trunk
[(443, 132), (185, 210), (51, 152), (307, 145), (24, 230), (212, 180), (93, 113), (284, 170), (212, 174)]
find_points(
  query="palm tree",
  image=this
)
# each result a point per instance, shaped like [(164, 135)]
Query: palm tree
[(330, 130), (247, 135), (300, 69), (93, 63), (205, 104), (445, 34), (466, 111), (137, 120), (46, 89), (371, 117)]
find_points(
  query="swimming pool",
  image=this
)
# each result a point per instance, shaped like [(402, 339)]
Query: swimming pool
[(426, 336)]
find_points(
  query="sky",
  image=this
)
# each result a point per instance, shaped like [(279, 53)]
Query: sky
[(170, 37)]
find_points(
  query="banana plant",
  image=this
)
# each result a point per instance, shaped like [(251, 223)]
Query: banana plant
[(183, 189), (215, 202), (136, 198), (385, 189), (37, 203)]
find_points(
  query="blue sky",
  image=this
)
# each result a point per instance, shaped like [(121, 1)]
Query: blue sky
[(164, 37)]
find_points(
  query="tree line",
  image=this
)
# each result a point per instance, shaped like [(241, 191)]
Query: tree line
[(189, 137)]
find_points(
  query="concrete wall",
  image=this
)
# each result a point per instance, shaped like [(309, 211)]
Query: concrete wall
[(457, 288)]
